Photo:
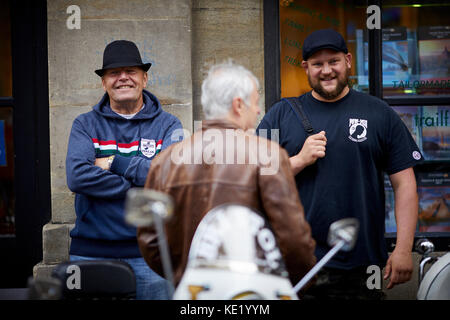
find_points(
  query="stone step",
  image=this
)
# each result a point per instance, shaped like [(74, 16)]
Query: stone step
[(42, 270), (56, 242)]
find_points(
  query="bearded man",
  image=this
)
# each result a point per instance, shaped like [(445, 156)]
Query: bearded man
[(341, 142)]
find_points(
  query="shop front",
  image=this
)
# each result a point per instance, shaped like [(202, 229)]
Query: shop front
[(406, 62), (47, 79), (24, 139)]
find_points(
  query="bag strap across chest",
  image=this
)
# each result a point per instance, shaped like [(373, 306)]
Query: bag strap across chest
[(294, 102)]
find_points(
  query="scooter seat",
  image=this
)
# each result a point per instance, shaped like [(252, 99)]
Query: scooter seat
[(96, 280)]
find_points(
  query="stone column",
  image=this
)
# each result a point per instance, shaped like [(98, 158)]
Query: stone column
[(223, 30)]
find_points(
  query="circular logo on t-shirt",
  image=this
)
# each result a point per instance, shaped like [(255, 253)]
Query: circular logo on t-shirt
[(416, 155), (358, 130)]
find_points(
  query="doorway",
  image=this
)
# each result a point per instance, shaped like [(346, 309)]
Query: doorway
[(24, 138)]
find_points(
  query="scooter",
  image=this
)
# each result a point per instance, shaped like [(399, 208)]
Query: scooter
[(434, 284), (233, 254)]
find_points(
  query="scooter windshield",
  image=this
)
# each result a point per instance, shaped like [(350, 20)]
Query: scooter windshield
[(237, 238)]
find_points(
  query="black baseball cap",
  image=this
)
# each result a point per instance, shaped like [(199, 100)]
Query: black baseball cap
[(323, 39)]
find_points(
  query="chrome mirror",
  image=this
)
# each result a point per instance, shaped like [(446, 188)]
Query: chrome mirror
[(147, 208), (345, 230), (141, 206), (424, 246), (342, 235)]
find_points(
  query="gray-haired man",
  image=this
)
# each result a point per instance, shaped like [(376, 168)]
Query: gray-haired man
[(209, 176)]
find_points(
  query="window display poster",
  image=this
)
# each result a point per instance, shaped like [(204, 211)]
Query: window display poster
[(394, 55), (434, 58), (411, 117), (395, 59), (434, 200), (435, 132), (434, 51), (390, 225), (2, 144), (434, 203)]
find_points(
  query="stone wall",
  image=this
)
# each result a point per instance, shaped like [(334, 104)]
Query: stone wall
[(222, 30)]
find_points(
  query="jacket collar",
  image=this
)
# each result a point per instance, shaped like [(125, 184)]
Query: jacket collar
[(218, 123)]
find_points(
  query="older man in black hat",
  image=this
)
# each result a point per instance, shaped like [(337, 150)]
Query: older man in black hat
[(340, 141), (110, 151)]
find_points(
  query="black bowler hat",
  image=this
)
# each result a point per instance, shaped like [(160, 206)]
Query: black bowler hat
[(323, 39), (121, 53)]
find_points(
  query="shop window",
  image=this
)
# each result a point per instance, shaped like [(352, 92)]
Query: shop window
[(416, 48), (5, 51), (416, 80), (298, 19), (7, 217), (412, 51), (429, 126), (7, 225)]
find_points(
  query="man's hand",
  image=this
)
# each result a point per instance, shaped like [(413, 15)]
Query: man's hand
[(313, 149), (399, 268), (102, 163)]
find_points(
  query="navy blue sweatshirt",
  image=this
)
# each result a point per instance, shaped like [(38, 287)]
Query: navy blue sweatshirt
[(100, 228)]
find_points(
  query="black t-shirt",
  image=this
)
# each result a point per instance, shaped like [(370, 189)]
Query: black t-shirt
[(365, 138)]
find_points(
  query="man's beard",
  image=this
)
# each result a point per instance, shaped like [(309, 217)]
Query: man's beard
[(330, 95)]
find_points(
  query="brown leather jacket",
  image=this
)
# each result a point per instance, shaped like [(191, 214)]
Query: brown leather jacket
[(198, 187)]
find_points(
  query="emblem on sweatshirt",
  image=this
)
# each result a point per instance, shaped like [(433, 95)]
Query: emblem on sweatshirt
[(150, 147), (358, 130)]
